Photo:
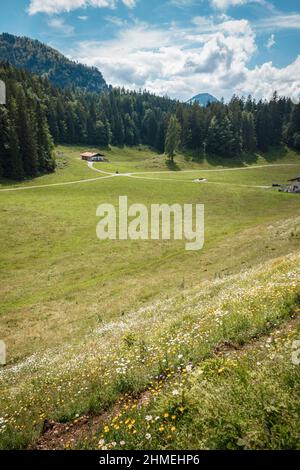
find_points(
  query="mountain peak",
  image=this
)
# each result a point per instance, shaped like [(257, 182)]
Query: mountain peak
[(203, 99), (40, 59)]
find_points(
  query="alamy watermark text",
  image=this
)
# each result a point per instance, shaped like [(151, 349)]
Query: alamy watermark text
[(165, 222)]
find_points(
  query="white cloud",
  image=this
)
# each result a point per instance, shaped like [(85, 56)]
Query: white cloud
[(279, 21), (181, 62), (51, 7), (182, 3), (83, 18), (225, 4), (271, 41), (129, 3), (220, 4), (263, 81), (116, 21), (59, 25)]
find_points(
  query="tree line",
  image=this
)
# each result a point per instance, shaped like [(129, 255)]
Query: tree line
[(39, 115), (241, 126), (26, 143)]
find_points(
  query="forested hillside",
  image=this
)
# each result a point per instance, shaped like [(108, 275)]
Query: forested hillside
[(36, 57), (241, 126), (38, 114), (25, 140)]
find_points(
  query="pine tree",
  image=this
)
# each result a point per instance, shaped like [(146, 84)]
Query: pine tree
[(44, 143), (53, 121), (173, 137), (263, 127), (214, 137), (4, 141), (102, 133), (296, 140), (160, 137), (248, 132), (196, 127), (14, 166), (293, 128), (119, 133), (235, 117), (149, 127), (186, 131), (228, 140), (129, 129), (26, 133)]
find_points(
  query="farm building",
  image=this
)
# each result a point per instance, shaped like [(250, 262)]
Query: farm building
[(294, 186), (93, 157)]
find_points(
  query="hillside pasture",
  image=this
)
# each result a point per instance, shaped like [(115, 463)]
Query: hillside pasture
[(62, 289)]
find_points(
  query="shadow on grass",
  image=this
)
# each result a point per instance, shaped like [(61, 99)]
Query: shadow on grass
[(243, 160), (5, 183), (273, 155), (172, 165)]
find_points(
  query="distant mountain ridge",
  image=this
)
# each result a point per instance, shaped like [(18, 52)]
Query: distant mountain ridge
[(40, 59), (203, 99)]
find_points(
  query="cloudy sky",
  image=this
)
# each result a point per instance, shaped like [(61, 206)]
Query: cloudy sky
[(174, 47)]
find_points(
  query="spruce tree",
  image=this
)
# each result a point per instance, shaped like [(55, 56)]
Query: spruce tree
[(159, 144), (248, 132), (26, 133), (4, 141), (14, 165), (44, 143), (172, 138), (263, 127)]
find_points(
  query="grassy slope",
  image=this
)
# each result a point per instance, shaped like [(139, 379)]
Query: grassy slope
[(44, 260), (69, 168), (141, 159), (161, 339), (241, 397), (52, 296), (128, 159)]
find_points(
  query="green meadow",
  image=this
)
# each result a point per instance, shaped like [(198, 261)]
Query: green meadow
[(75, 310)]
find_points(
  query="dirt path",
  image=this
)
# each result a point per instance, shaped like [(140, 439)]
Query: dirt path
[(136, 175), (196, 182), (251, 167), (109, 175), (21, 188), (91, 166)]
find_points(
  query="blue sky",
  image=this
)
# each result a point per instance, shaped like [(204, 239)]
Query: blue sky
[(174, 47)]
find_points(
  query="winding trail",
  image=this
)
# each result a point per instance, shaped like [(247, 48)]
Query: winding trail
[(65, 183), (136, 175), (221, 169)]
